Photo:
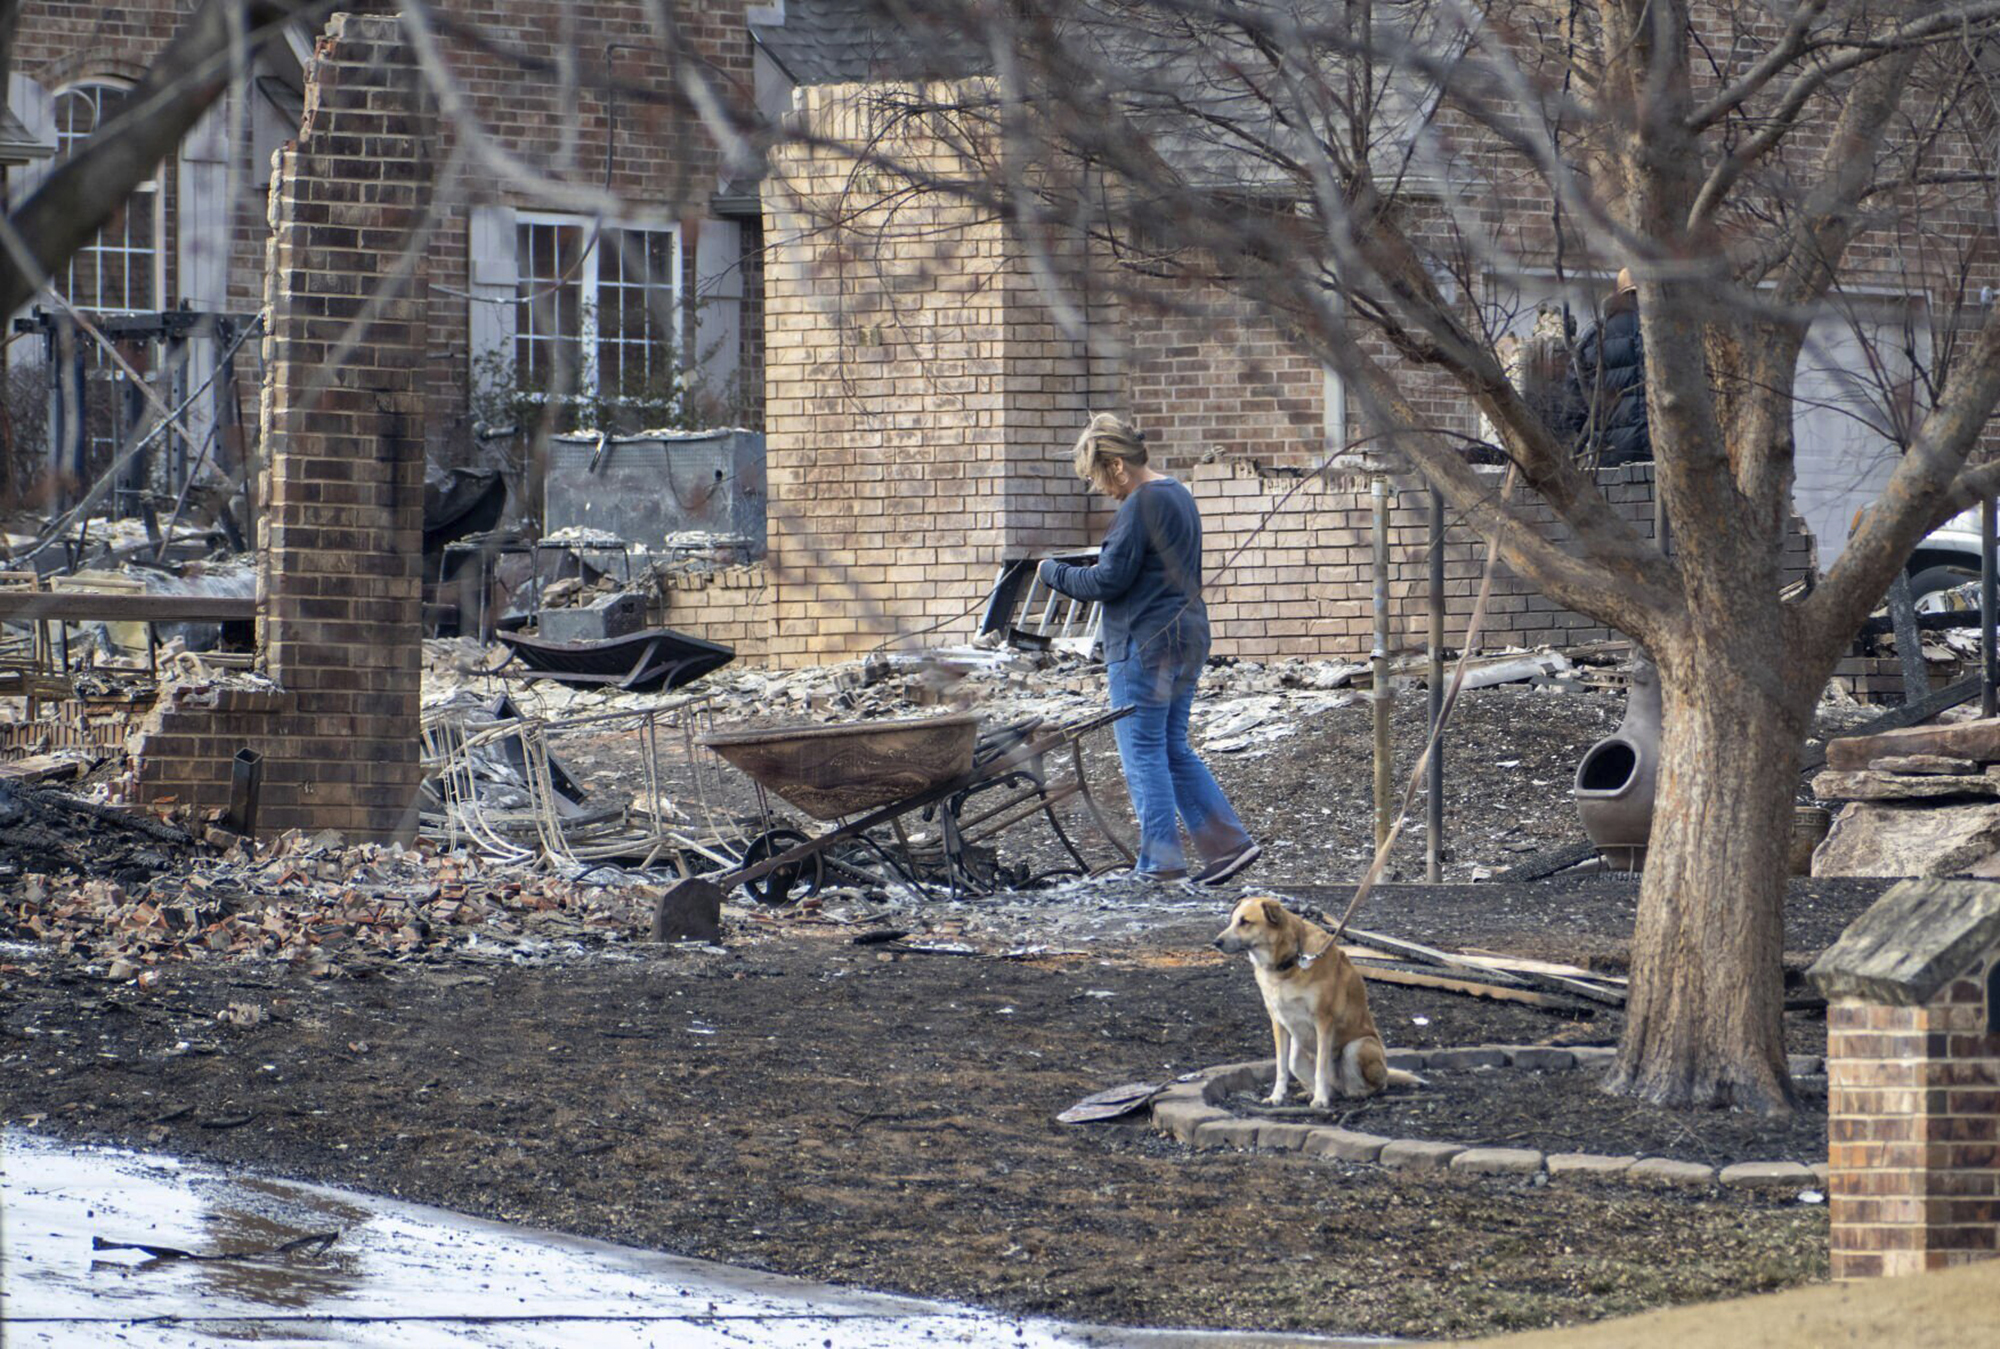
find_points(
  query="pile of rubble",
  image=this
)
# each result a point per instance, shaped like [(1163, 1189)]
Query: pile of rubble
[(322, 905), (1924, 801)]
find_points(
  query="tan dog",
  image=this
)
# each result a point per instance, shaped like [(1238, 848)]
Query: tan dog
[(1318, 1006)]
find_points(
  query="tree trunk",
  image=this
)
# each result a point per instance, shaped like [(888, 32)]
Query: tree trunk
[(1704, 1026)]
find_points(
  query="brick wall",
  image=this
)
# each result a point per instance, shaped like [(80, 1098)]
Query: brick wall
[(1291, 564), (920, 400), (731, 606), (1913, 1133), (340, 539)]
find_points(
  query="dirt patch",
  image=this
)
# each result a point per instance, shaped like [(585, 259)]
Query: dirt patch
[(1566, 1111), (805, 1105)]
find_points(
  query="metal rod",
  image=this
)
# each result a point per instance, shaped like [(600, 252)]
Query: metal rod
[(1434, 789), (1989, 655), (1381, 695)]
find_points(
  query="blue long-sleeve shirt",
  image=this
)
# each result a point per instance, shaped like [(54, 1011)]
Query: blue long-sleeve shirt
[(1147, 575)]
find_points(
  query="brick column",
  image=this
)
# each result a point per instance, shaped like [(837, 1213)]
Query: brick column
[(342, 530), (340, 541), (1913, 1133)]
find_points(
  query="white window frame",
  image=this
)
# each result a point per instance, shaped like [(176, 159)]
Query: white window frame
[(153, 184), (587, 374)]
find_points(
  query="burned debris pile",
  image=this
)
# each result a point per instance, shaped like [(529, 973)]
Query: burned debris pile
[(314, 902)]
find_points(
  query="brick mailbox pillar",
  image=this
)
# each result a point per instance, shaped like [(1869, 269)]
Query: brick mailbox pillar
[(1913, 1073)]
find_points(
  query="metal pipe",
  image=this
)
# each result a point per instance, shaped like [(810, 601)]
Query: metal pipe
[(246, 785), (1434, 789), (1381, 695), (1909, 645), (1989, 659)]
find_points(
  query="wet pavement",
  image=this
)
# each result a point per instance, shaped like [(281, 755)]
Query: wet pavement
[(402, 1275)]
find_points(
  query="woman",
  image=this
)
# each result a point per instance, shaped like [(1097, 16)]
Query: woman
[(1148, 577)]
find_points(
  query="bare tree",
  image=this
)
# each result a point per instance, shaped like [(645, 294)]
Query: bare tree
[(1392, 182)]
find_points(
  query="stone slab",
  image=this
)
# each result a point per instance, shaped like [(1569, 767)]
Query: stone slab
[(1913, 940), (1586, 1164), (1183, 1118), (1416, 1154), (1227, 1133), (1498, 1161), (1763, 1175), (1541, 1058), (1594, 1056), (1940, 765), (1410, 1060), (1976, 740), (1875, 785), (1479, 1057), (1346, 1144), (1887, 838), (1666, 1171)]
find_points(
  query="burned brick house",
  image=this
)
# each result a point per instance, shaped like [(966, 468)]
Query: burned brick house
[(590, 250)]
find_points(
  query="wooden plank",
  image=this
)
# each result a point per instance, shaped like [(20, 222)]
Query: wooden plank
[(1429, 955), (77, 606), (1525, 965), (1389, 974)]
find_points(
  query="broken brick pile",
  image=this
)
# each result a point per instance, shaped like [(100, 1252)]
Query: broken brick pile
[(316, 902)]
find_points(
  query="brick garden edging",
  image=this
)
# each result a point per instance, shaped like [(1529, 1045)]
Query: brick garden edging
[(1192, 1112)]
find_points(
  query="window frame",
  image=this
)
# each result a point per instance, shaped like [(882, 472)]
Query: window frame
[(154, 186), (587, 277)]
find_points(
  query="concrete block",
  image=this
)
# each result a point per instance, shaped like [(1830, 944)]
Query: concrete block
[(1586, 1164), (1542, 1058), (1416, 1154), (1767, 1175), (1183, 1118), (1233, 1077), (1227, 1133), (1477, 1057), (1410, 1060), (1498, 1161), (1283, 1136), (1666, 1171), (1346, 1144), (1597, 1057), (1805, 1065)]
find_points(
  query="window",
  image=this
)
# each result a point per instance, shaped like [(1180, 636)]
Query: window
[(597, 316), (116, 272)]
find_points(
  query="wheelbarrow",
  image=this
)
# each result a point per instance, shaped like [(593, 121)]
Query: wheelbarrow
[(868, 775)]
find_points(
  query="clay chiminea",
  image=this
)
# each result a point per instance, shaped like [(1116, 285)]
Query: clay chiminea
[(1616, 781)]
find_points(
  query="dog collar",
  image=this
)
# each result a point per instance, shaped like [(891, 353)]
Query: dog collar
[(1291, 962)]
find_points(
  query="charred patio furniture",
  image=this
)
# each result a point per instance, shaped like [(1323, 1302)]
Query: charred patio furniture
[(872, 776), (652, 658)]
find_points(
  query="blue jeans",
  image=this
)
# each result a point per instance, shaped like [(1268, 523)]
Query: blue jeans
[(1161, 771)]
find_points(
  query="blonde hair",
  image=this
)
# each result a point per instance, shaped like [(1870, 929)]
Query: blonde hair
[(1107, 437)]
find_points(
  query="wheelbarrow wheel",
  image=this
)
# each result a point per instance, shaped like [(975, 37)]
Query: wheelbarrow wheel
[(776, 887)]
